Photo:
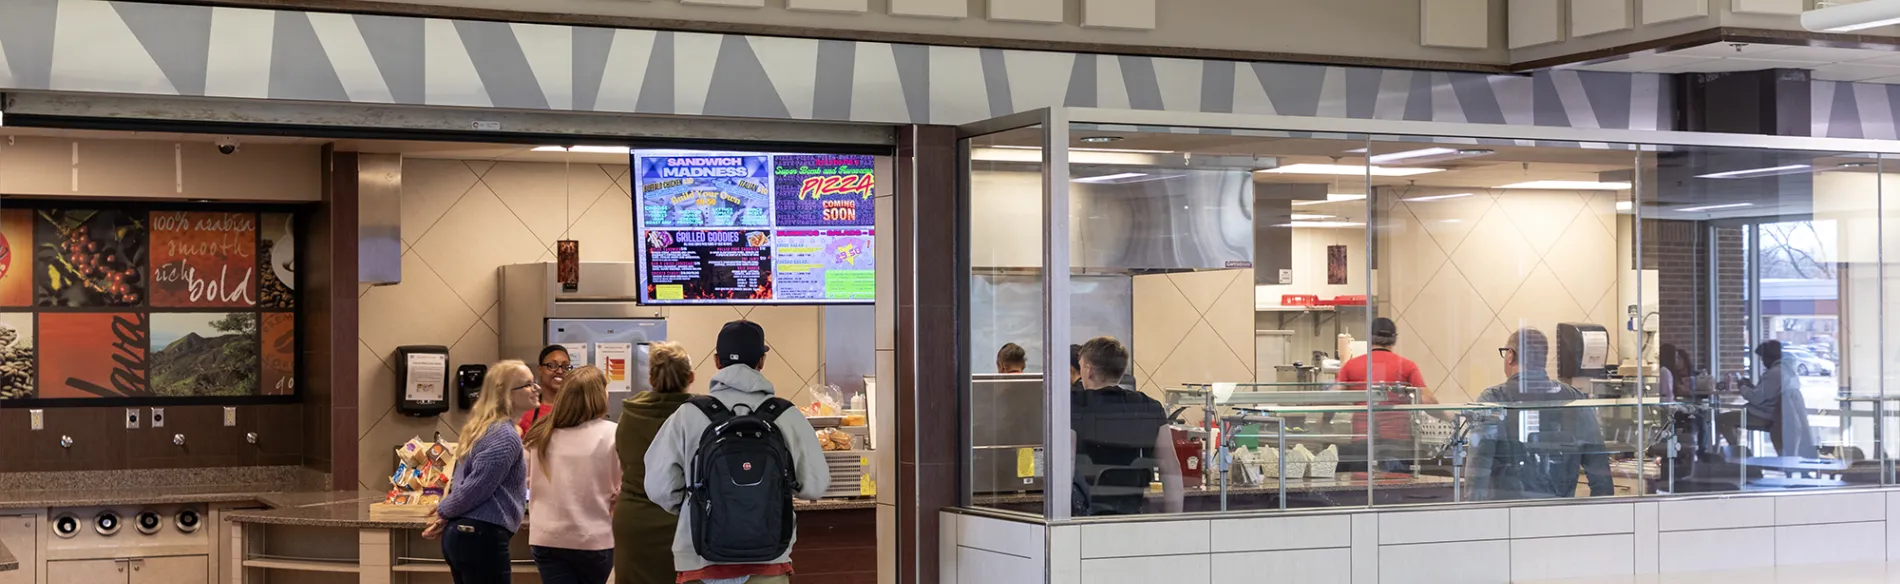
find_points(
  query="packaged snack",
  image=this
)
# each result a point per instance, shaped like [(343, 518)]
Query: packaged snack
[(412, 452)]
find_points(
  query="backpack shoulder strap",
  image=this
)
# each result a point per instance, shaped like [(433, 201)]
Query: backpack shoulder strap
[(715, 410), (770, 409)]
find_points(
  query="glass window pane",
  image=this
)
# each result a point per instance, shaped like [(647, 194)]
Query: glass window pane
[(1006, 464), (1766, 296)]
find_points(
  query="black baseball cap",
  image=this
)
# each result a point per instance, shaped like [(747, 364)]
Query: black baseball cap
[(742, 341)]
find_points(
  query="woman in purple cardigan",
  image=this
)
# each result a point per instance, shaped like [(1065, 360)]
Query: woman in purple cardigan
[(489, 491)]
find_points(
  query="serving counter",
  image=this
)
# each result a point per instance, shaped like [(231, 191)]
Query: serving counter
[(279, 533)]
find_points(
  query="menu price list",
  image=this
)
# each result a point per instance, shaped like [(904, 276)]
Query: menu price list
[(825, 264), (688, 265)]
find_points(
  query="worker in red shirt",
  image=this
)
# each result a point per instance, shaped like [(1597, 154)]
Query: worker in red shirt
[(1381, 365)]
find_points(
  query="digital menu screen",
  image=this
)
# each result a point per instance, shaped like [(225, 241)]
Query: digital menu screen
[(755, 228)]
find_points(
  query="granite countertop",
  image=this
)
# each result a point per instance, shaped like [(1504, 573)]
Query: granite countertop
[(26, 499), (350, 509)]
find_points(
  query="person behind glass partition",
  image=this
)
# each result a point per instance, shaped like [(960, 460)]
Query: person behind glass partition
[(1775, 405), (1075, 367), (1537, 453), (1382, 365), (1011, 359), (1121, 438)]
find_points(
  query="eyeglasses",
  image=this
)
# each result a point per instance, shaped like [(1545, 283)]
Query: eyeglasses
[(558, 367), (1506, 352), (529, 385)]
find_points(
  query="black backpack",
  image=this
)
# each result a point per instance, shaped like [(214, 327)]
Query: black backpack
[(742, 484)]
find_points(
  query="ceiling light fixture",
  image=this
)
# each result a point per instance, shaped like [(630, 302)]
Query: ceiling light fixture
[(1311, 217), (1323, 224), (1122, 150), (1852, 165), (1107, 178), (1435, 197), (1625, 206), (1423, 155), (1567, 185), (1852, 17), (1101, 139), (1714, 207), (1331, 198), (1349, 170), (1758, 172), (586, 149)]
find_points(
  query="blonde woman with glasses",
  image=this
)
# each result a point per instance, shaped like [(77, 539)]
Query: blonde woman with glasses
[(576, 476), (490, 488)]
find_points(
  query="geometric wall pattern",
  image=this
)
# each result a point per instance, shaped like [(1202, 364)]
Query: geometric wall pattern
[(1193, 327), (1855, 110), (1480, 266), (461, 220), (158, 49)]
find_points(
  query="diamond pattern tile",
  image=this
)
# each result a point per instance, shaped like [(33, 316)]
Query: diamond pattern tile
[(1410, 258), (415, 312), (1609, 313), (480, 167), (492, 317), (1162, 322), (1481, 367), (1202, 288), (1201, 359), (375, 381), (1494, 258), (542, 194), (794, 335), (1540, 216), (606, 230), (1602, 206), (1541, 302), (1232, 318), (1450, 221), (1584, 260), (480, 345), (1457, 318), (1450, 392), (429, 188), (476, 236)]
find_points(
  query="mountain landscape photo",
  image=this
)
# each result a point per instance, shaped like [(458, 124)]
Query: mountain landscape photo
[(203, 354)]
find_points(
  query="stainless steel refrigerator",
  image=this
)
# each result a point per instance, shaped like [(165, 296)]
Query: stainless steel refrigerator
[(601, 322)]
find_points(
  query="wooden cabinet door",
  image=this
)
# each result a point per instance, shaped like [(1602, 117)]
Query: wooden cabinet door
[(19, 533), (89, 571), (172, 570)]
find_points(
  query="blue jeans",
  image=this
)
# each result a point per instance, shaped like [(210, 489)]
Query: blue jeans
[(477, 552), (565, 566)]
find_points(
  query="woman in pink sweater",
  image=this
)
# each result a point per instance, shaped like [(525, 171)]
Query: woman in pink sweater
[(574, 476)]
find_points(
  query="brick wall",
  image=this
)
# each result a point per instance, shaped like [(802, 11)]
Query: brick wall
[(1679, 252)]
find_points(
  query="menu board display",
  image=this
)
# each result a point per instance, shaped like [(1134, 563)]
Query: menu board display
[(755, 228)]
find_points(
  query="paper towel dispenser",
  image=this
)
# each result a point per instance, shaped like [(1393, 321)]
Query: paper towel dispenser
[(1583, 350)]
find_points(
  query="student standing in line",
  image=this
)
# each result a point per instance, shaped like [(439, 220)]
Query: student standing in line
[(552, 371), (738, 388), (489, 491), (576, 478), (643, 532), (1011, 359)]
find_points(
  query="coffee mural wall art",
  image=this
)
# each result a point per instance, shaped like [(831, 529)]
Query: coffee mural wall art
[(16, 257), (147, 304), (92, 257)]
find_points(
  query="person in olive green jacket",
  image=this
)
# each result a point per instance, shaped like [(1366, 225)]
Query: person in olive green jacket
[(643, 532)]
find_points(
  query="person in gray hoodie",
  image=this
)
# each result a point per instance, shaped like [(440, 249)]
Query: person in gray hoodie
[(741, 350)]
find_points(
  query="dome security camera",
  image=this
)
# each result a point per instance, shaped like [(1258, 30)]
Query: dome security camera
[(228, 146)]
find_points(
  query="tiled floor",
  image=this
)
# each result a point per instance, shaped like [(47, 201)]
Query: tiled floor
[(1818, 574)]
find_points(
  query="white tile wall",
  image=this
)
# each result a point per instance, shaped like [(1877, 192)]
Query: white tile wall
[(1464, 562), (1559, 558), (1716, 514), (1455, 525), (1572, 520), (996, 535), (1836, 543), (1893, 526), (1065, 554), (1282, 533), (947, 548), (1116, 540), (1647, 554), (1717, 549), (975, 566), (1365, 548), (1316, 566), (1147, 569), (1832, 508)]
